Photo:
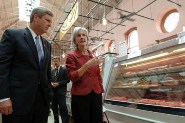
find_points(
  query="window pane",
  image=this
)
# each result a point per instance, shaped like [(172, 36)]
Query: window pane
[(171, 21), (133, 41)]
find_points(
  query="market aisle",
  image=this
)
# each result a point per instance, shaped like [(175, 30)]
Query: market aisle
[(51, 119)]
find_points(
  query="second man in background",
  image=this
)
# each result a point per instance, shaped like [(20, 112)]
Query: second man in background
[(59, 85)]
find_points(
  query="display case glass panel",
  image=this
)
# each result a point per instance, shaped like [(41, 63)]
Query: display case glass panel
[(151, 81)]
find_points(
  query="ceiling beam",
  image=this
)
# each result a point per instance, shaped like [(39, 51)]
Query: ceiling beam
[(174, 2), (121, 9), (146, 6)]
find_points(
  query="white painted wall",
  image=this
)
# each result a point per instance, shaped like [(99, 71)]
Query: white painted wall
[(147, 30)]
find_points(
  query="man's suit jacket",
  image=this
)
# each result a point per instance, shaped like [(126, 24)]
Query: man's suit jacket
[(62, 79), (20, 72)]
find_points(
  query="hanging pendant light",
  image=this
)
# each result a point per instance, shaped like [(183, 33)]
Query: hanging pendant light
[(104, 20), (63, 54)]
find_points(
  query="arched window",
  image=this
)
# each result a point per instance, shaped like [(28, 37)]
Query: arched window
[(170, 20), (132, 40)]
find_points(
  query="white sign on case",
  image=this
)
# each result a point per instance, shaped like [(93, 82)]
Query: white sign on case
[(181, 37), (122, 49), (134, 54)]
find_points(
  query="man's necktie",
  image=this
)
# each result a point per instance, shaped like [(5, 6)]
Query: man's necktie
[(39, 50), (56, 74)]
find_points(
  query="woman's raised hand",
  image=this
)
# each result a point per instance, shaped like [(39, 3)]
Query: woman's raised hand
[(95, 61)]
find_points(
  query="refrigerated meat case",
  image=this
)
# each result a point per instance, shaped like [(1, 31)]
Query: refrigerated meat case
[(147, 86), (68, 98)]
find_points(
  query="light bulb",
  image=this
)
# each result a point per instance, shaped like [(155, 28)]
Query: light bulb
[(63, 55), (104, 21)]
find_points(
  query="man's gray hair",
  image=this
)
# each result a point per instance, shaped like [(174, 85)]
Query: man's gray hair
[(40, 11)]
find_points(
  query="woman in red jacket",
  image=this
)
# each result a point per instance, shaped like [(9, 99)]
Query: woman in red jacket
[(83, 70)]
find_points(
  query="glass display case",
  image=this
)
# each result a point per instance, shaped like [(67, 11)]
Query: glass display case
[(150, 80)]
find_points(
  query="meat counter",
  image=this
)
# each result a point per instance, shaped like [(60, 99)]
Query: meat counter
[(147, 86)]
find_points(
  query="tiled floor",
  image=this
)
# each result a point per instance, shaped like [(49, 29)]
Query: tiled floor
[(51, 119)]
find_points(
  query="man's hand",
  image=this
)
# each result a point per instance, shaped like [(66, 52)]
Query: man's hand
[(54, 84), (6, 107)]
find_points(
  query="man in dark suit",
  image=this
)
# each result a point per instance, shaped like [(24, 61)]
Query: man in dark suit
[(25, 71), (59, 84)]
